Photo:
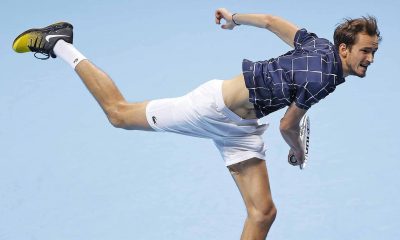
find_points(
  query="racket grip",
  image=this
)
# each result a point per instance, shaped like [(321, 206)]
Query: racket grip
[(293, 160)]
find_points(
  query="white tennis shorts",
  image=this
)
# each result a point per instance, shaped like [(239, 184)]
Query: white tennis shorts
[(202, 113)]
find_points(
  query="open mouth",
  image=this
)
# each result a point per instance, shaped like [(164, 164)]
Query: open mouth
[(365, 66)]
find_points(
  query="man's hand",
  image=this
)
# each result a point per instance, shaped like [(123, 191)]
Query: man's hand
[(298, 157), (290, 130), (222, 13)]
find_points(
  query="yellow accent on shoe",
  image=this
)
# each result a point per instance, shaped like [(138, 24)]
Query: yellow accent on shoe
[(21, 43)]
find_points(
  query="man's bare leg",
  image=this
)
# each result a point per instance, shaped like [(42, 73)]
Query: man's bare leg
[(251, 177), (120, 113)]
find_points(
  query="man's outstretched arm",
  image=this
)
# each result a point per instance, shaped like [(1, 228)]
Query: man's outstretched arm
[(284, 29)]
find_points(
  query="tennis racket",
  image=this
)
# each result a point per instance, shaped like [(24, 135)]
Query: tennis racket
[(305, 140)]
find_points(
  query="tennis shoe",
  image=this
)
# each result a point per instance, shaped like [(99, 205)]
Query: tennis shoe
[(43, 40)]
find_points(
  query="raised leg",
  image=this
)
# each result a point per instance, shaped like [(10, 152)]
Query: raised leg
[(120, 113), (56, 40)]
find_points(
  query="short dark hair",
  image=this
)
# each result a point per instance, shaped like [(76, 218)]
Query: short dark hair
[(346, 32)]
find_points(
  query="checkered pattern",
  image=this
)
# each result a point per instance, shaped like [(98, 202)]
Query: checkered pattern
[(304, 75)]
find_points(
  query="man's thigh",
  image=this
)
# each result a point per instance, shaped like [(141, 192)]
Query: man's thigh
[(133, 116), (251, 177)]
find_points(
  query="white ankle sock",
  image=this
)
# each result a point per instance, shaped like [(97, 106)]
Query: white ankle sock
[(68, 53)]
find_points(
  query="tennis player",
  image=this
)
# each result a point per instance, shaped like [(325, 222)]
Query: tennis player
[(227, 111)]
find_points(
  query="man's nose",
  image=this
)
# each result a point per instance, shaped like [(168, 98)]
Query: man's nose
[(370, 58)]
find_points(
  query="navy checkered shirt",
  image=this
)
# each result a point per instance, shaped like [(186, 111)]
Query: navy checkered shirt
[(304, 75)]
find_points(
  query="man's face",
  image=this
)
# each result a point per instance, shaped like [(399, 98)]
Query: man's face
[(361, 55)]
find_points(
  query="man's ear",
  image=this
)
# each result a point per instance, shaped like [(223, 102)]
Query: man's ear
[(343, 50)]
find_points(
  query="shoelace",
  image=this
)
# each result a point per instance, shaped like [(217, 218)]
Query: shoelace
[(46, 56), (35, 47)]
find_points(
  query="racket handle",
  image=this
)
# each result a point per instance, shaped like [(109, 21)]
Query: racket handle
[(293, 160)]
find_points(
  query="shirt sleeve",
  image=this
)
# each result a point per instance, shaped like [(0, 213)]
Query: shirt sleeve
[(310, 93), (303, 37)]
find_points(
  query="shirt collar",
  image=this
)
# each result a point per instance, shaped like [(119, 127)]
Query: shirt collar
[(340, 79)]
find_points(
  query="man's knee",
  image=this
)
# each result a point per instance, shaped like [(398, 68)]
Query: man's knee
[(263, 216), (115, 115), (130, 116)]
